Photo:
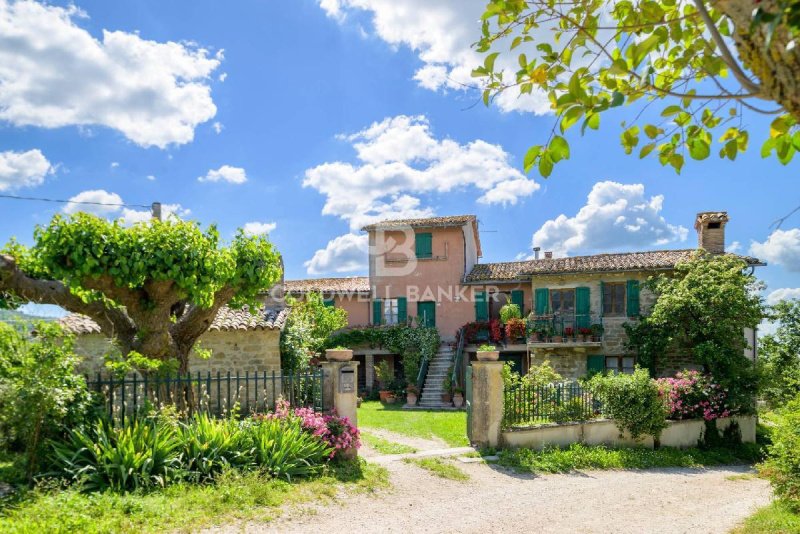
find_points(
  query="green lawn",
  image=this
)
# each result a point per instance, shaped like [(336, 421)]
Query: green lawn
[(183, 507), (450, 426), (440, 467), (384, 446), (774, 519)]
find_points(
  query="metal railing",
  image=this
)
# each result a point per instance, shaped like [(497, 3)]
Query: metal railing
[(528, 405), (459, 366), (218, 394), (575, 327)]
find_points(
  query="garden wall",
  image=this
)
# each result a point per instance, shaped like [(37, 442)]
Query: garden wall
[(679, 434)]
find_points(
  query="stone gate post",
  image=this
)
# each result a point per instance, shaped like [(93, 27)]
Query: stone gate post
[(487, 403), (340, 388)]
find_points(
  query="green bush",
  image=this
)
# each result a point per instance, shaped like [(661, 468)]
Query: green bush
[(632, 401), (285, 450), (783, 462), (210, 446), (510, 311)]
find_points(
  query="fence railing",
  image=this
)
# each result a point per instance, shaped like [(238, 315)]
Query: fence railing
[(572, 327), (527, 405), (218, 393)]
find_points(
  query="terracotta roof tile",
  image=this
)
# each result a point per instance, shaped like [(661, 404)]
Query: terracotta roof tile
[(358, 284), (429, 222), (227, 319), (621, 262)]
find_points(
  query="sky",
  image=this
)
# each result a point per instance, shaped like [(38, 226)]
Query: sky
[(306, 120)]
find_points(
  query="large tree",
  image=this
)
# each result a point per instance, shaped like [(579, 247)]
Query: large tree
[(704, 64), (779, 355), (154, 287)]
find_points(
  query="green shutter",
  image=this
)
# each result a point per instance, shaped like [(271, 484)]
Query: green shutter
[(595, 363), (377, 312), (518, 298), (426, 313), (423, 243), (328, 303), (632, 291), (402, 310), (602, 298), (542, 300), (481, 306), (582, 317)]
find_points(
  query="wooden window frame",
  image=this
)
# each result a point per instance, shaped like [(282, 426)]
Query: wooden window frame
[(393, 308), (622, 311), (561, 310), (619, 364)]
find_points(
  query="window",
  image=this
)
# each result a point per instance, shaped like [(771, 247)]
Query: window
[(620, 364), (423, 245), (497, 300), (562, 301), (390, 311), (614, 299)]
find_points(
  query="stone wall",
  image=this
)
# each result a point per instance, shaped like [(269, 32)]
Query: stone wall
[(567, 362)]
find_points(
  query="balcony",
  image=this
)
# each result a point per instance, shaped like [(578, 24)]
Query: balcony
[(564, 330)]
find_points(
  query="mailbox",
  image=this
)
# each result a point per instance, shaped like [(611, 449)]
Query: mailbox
[(347, 380)]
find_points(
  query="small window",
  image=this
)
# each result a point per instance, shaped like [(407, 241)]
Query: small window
[(614, 299), (620, 364), (562, 301), (390, 311), (423, 244)]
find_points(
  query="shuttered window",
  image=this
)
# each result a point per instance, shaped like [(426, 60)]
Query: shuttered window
[(562, 301), (377, 312), (614, 298), (423, 245), (632, 288), (518, 298), (542, 296), (582, 307), (595, 363), (402, 310), (481, 306)]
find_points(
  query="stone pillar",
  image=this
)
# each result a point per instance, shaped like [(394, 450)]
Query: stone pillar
[(369, 370), (487, 403), (338, 392)]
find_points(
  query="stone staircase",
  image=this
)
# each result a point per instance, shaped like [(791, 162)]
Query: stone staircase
[(438, 368)]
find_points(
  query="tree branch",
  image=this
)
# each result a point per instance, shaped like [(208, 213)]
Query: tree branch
[(196, 320)]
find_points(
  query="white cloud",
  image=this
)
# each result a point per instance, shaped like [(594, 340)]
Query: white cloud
[(259, 228), (226, 173), (346, 253), (132, 216), (218, 127), (782, 247), (114, 164), (734, 247), (53, 73), (441, 33), (615, 216), (151, 177), (100, 202), (784, 293), (222, 77), (23, 169)]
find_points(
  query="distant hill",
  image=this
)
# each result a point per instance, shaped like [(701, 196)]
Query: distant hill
[(13, 316)]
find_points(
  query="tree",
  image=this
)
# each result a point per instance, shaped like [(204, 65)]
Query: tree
[(779, 355), (307, 329), (702, 310), (154, 287), (589, 56)]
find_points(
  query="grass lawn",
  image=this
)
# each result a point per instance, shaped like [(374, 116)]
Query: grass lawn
[(184, 507), (776, 518), (578, 456), (439, 467), (450, 426), (384, 446)]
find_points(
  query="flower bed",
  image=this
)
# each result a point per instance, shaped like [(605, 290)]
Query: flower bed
[(693, 395)]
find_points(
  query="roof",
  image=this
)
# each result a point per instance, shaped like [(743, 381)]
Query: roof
[(429, 222), (620, 262), (227, 319), (350, 284)]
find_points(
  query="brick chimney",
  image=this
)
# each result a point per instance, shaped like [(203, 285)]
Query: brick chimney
[(548, 255), (710, 226)]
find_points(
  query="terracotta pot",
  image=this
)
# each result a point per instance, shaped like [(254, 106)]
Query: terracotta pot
[(338, 355), (558, 339), (585, 338), (391, 399), (488, 355), (446, 397), (384, 395), (411, 399), (458, 400)]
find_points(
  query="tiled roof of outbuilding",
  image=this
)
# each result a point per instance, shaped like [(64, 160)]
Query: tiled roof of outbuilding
[(227, 319), (620, 262), (359, 284), (429, 222)]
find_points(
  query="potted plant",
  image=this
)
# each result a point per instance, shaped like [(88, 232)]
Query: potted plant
[(411, 395), (556, 336), (515, 329), (488, 353), (569, 333), (384, 376), (458, 397), (338, 354), (508, 312), (597, 331), (446, 385), (585, 333)]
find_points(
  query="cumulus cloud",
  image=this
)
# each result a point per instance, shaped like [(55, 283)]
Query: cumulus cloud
[(615, 216), (53, 73), (218, 127), (23, 169), (784, 293), (104, 204), (259, 228), (226, 173), (441, 33), (782, 247), (346, 253)]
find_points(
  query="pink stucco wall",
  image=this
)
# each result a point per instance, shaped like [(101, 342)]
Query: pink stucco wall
[(357, 307)]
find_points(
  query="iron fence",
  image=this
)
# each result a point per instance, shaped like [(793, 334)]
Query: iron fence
[(219, 394), (527, 405)]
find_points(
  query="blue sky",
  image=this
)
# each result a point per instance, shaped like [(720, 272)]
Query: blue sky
[(309, 119)]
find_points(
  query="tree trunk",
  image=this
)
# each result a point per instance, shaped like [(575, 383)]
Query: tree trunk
[(775, 67)]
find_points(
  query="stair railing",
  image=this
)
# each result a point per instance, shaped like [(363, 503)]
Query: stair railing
[(423, 372), (459, 369)]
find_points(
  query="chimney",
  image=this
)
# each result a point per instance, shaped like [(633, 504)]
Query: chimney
[(536, 252), (710, 226), (548, 255)]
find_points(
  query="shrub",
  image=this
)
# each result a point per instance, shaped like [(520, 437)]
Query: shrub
[(285, 450), (515, 328), (782, 466), (336, 431), (487, 348), (632, 401), (510, 311), (692, 395), (209, 446)]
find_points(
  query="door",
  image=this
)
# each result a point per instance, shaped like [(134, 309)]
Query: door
[(426, 313)]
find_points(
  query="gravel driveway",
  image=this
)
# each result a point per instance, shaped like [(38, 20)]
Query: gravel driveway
[(495, 500)]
